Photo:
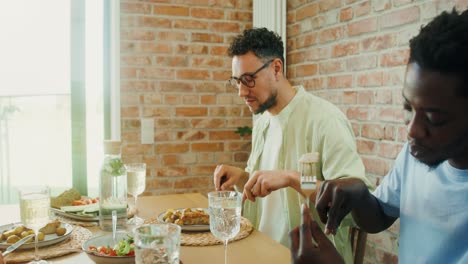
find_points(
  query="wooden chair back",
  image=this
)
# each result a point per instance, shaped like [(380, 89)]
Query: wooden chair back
[(358, 244)]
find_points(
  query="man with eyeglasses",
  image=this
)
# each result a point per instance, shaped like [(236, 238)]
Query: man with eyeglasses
[(291, 122)]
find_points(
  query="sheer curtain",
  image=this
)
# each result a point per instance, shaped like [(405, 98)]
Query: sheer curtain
[(54, 81)]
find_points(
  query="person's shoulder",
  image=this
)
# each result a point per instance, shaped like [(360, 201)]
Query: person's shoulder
[(322, 111), (325, 108)]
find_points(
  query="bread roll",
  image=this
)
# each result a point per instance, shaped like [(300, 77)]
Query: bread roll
[(50, 228)]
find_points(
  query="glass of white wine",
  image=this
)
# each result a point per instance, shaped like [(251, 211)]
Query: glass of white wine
[(35, 212), (136, 184), (225, 215)]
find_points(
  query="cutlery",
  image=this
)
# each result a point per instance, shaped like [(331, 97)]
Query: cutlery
[(114, 226), (16, 245)]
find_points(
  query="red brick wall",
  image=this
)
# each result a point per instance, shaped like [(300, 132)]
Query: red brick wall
[(353, 53), (174, 69)]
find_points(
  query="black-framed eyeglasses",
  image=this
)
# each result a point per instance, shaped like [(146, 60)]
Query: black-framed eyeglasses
[(247, 79)]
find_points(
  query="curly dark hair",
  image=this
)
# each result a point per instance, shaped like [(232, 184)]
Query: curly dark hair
[(442, 46), (265, 44)]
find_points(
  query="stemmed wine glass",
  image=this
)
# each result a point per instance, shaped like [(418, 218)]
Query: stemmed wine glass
[(225, 215), (136, 184), (34, 208)]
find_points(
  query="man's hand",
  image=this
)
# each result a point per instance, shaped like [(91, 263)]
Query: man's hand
[(262, 183), (303, 250), (226, 176), (336, 198)]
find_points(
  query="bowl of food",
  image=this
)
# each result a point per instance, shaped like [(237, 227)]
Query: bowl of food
[(103, 249)]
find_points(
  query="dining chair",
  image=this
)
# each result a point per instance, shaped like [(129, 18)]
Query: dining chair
[(358, 244)]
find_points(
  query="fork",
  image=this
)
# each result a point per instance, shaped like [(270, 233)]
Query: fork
[(308, 174), (308, 177), (308, 186)]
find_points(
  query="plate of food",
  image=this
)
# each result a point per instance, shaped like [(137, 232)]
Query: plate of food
[(190, 219), (82, 213), (73, 205), (53, 233)]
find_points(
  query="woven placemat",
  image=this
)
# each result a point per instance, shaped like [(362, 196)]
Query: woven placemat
[(71, 245), (199, 239), (70, 221)]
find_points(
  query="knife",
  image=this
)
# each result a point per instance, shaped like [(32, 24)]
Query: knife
[(16, 245)]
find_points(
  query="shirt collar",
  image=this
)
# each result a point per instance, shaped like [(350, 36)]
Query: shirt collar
[(284, 114)]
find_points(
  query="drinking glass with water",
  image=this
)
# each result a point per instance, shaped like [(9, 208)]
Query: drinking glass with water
[(225, 215), (157, 244)]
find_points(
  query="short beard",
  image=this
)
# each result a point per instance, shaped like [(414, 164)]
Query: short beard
[(455, 149), (270, 102), (433, 165)]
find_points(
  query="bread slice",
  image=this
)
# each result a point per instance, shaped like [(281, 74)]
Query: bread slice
[(50, 228), (65, 198)]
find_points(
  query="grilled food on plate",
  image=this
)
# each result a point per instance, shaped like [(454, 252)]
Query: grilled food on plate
[(187, 216)]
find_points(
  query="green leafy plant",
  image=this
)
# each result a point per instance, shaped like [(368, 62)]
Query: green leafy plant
[(114, 166), (117, 167), (244, 131)]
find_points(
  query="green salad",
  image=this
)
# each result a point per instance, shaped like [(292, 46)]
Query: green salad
[(125, 247)]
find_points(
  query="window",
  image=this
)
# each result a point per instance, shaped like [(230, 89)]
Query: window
[(55, 111)]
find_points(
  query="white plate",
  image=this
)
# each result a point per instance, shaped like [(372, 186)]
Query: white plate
[(191, 228), (75, 216), (48, 239), (84, 218)]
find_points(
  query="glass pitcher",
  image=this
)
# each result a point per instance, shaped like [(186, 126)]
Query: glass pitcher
[(112, 187)]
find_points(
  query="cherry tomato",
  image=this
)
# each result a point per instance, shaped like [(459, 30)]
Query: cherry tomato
[(92, 248), (102, 250), (78, 202), (112, 252), (131, 253)]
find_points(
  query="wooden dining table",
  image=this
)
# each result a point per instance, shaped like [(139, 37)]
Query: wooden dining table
[(256, 248)]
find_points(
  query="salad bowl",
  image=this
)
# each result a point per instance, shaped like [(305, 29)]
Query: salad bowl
[(103, 250)]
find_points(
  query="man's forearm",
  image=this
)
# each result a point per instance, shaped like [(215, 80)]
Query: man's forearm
[(369, 215)]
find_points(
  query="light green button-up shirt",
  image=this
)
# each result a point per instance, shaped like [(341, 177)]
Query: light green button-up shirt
[(312, 125)]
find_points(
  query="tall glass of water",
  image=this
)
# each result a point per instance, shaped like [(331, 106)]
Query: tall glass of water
[(136, 184), (157, 243), (34, 208), (225, 215)]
